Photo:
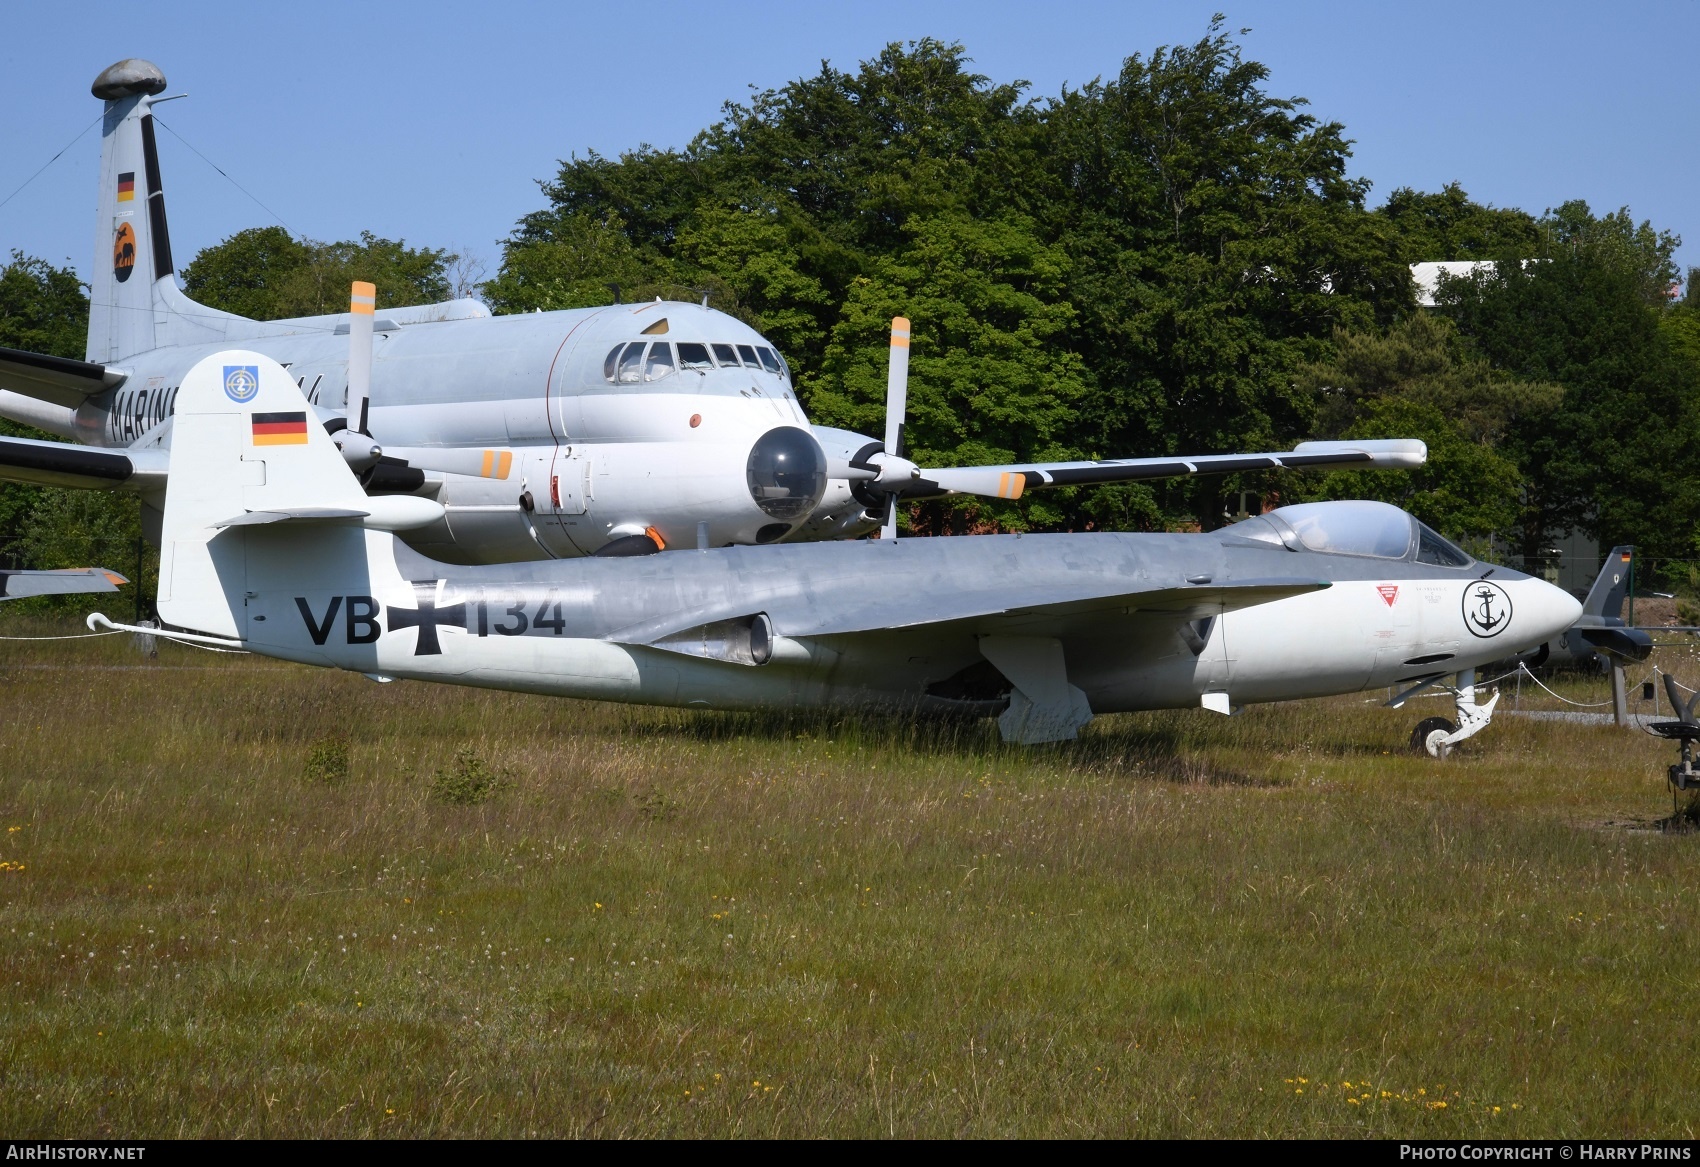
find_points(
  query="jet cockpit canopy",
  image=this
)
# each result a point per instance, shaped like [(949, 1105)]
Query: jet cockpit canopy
[(1376, 530)]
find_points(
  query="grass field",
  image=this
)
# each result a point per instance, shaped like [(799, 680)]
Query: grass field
[(672, 923)]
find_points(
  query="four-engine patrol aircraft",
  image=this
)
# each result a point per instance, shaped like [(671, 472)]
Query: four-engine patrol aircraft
[(598, 431), (270, 544)]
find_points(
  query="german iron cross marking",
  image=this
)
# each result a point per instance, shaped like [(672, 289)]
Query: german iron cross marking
[(427, 618)]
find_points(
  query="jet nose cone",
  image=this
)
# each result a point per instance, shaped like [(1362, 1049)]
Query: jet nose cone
[(1549, 610)]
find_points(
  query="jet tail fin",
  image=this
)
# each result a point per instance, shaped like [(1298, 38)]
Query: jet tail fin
[(132, 247), (134, 302), (1611, 586), (245, 441)]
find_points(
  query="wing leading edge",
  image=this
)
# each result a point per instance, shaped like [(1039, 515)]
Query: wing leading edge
[(58, 380), (62, 464), (1012, 481), (991, 612)]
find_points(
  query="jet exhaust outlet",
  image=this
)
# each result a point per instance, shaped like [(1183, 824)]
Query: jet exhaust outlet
[(747, 640)]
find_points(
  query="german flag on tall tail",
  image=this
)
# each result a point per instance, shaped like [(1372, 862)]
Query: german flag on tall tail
[(280, 429), (127, 186)]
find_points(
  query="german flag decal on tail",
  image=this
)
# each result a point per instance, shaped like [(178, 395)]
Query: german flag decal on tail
[(280, 429)]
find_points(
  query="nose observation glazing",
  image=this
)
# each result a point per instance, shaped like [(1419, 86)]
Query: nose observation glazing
[(786, 473)]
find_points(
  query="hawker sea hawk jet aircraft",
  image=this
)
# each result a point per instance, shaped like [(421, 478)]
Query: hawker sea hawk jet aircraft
[(597, 431), (270, 545)]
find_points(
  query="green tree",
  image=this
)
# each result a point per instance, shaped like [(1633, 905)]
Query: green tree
[(778, 208), (1681, 324), (581, 261), (43, 309), (1216, 243), (1615, 457), (1417, 379), (1466, 490), (1422, 359), (266, 274), (84, 528), (1161, 262), (1615, 241), (989, 381), (247, 272), (756, 257), (1448, 225)]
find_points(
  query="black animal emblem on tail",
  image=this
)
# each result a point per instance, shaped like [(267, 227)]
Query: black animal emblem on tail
[(124, 253)]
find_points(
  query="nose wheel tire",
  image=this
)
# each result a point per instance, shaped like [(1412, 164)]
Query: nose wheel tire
[(1430, 736)]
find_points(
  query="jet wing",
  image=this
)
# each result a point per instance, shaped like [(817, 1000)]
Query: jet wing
[(15, 585), (63, 464), (1007, 609), (59, 380), (1011, 613), (1015, 480)]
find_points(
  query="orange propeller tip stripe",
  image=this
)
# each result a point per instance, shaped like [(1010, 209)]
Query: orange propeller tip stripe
[(497, 463)]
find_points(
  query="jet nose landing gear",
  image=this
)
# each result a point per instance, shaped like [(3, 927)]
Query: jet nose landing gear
[(1435, 736)]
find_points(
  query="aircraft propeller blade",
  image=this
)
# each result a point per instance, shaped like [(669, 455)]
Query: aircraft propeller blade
[(475, 463), (355, 441), (897, 385), (896, 406), (361, 303)]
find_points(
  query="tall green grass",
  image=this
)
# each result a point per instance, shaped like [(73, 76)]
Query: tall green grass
[(670, 923)]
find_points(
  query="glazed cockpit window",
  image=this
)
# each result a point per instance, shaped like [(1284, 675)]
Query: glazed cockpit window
[(611, 362), (748, 352), (1435, 549), (693, 355), (660, 363), (1350, 528), (727, 356), (631, 364), (1255, 528), (768, 360)]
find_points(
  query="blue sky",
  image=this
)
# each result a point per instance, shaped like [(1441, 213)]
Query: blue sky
[(432, 122)]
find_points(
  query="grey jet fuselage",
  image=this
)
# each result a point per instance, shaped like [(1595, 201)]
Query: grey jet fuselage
[(826, 604), (270, 544)]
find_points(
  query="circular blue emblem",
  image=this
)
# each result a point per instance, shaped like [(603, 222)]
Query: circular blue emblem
[(241, 383)]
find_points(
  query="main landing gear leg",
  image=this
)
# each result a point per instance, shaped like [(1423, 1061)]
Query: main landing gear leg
[(1435, 736)]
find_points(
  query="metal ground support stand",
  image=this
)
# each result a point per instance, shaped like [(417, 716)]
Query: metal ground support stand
[(1435, 736), (1686, 729)]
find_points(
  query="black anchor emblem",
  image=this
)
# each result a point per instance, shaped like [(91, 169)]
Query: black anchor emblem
[(1487, 609)]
